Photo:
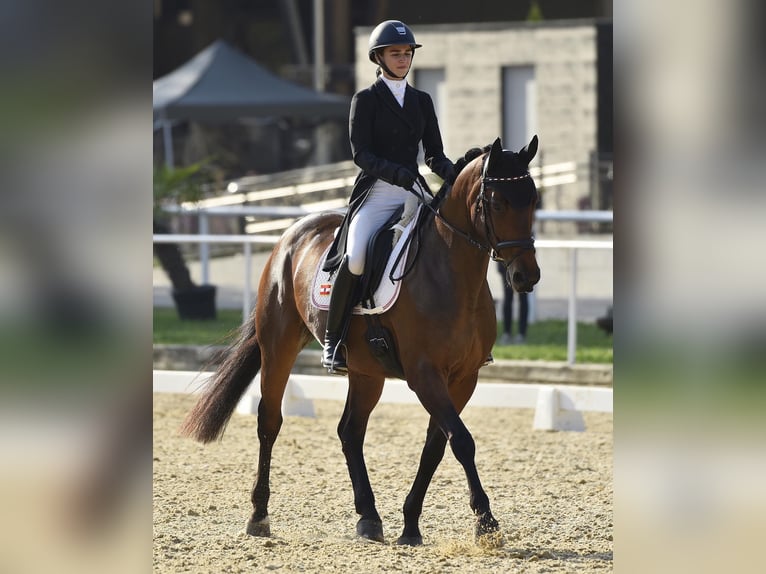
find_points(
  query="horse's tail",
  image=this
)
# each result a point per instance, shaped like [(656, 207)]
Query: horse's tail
[(206, 422)]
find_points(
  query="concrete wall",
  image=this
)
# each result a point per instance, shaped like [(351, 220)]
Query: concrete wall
[(564, 56)]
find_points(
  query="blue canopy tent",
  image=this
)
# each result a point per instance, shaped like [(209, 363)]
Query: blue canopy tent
[(223, 84)]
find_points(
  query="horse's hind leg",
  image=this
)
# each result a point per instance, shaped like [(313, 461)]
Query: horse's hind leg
[(433, 452), (363, 394), (269, 425), (279, 350)]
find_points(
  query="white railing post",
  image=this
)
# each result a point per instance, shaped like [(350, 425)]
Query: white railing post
[(572, 320), (532, 308), (204, 248), (167, 138), (246, 305)]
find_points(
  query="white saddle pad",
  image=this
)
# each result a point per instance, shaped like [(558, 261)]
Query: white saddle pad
[(388, 291)]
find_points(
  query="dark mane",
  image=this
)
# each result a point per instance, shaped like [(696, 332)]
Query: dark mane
[(469, 156)]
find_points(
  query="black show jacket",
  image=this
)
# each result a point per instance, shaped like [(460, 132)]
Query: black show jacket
[(384, 137)]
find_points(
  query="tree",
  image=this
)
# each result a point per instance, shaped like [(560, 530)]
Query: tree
[(175, 186)]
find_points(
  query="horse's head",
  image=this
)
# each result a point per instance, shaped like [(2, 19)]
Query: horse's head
[(504, 199)]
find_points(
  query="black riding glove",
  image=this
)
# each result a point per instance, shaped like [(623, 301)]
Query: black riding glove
[(448, 173), (404, 178)]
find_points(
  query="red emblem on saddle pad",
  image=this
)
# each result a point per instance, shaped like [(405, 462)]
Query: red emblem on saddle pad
[(324, 288)]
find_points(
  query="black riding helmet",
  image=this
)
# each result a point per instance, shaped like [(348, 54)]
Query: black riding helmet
[(390, 33)]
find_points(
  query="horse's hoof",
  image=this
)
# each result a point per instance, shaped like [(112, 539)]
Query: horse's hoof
[(370, 529), (259, 528), (410, 541), (488, 531)]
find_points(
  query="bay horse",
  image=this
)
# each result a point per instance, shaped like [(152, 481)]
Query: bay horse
[(443, 324)]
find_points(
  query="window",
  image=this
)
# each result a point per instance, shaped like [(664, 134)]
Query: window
[(433, 81), (519, 106)]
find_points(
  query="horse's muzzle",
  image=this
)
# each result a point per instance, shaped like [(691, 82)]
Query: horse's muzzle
[(524, 281)]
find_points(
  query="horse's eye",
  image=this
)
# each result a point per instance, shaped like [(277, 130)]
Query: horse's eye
[(496, 203)]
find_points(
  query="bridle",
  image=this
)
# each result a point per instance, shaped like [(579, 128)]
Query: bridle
[(482, 202), (489, 229)]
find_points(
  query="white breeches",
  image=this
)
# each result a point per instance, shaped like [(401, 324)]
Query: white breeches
[(383, 199)]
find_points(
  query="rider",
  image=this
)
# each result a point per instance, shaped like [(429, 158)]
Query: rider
[(387, 121)]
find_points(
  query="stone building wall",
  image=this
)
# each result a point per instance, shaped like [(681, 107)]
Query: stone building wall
[(564, 56)]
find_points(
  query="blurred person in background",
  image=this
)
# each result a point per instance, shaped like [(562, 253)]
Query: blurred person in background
[(507, 337)]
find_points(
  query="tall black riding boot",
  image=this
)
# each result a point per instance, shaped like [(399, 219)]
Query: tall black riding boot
[(341, 303)]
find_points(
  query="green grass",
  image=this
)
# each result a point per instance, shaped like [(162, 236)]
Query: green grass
[(169, 329), (546, 340)]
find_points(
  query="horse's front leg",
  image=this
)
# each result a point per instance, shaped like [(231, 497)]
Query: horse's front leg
[(363, 395), (432, 393)]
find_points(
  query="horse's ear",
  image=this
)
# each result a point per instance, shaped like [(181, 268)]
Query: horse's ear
[(495, 153), (528, 151)]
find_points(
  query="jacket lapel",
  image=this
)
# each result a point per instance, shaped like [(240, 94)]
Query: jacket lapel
[(411, 106), (388, 98)]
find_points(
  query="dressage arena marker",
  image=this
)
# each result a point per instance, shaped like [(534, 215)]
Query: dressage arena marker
[(557, 407)]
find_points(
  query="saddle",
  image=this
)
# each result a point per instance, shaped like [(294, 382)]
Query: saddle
[(379, 250), (402, 225), (379, 286)]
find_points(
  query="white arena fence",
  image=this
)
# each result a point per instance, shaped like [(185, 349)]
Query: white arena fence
[(556, 407), (283, 215), (248, 240)]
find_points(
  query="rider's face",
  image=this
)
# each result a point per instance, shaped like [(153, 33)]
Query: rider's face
[(397, 59)]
